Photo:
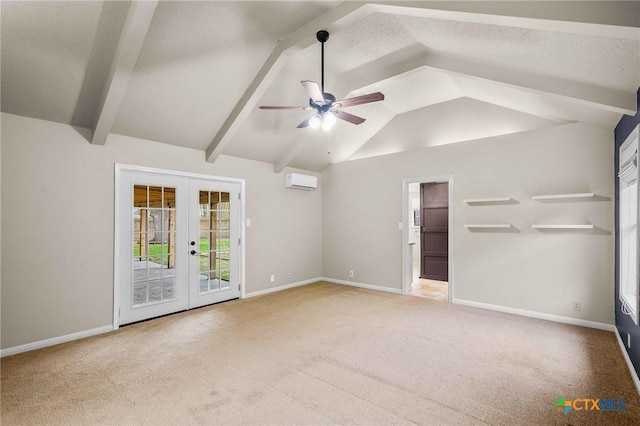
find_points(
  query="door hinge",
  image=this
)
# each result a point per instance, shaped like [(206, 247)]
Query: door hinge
[(239, 241), (239, 287), (119, 314), (239, 196)]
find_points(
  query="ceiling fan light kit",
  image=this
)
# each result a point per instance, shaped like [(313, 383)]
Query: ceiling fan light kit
[(328, 110), (315, 121)]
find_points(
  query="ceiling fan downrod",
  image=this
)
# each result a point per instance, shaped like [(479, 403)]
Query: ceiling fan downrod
[(322, 37)]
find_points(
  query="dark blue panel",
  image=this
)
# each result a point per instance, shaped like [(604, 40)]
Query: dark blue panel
[(624, 323)]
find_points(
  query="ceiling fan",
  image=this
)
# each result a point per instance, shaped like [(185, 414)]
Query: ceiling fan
[(328, 110)]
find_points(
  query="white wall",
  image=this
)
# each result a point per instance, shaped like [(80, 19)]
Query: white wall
[(528, 269), (57, 223)]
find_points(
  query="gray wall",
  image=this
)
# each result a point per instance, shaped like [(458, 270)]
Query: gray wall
[(530, 270), (57, 223)]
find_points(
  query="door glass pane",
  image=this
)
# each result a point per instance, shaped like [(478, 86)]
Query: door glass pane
[(214, 240), (153, 240), (155, 196), (169, 198)]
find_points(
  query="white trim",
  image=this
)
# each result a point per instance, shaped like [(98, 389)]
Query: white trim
[(55, 341), (243, 239), (539, 315), (632, 370), (628, 305), (280, 288), (129, 167), (362, 285), (406, 260), (116, 244)]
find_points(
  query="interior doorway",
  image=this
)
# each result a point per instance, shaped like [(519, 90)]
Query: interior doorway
[(434, 229), (427, 236)]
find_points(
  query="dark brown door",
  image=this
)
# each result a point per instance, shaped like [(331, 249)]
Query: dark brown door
[(434, 231)]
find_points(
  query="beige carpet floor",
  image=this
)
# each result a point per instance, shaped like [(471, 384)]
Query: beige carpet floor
[(323, 354)]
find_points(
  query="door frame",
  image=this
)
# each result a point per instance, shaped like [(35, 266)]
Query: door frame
[(407, 261), (118, 169)]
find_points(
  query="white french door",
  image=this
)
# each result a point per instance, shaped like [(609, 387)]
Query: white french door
[(214, 242), (178, 242)]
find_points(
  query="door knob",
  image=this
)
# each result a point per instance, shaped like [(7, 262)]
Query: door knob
[(193, 252)]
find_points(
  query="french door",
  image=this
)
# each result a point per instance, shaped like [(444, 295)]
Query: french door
[(178, 244)]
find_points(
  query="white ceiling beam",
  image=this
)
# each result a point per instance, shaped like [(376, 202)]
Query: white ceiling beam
[(618, 19), (300, 39), (413, 58), (274, 64), (292, 153), (593, 96), (346, 147), (395, 65), (132, 37)]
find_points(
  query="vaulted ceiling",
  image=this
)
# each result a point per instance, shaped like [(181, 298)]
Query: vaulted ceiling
[(192, 74)]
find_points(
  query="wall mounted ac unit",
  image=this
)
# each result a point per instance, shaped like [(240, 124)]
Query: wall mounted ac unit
[(299, 181)]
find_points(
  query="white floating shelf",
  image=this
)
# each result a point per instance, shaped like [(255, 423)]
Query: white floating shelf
[(486, 200), (495, 225), (562, 226), (563, 196)]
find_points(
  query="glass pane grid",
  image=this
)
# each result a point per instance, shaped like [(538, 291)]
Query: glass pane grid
[(214, 240), (153, 249)]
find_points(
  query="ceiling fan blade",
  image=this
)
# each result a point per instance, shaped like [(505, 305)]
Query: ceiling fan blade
[(349, 117), (359, 100), (285, 107), (304, 124), (314, 92)]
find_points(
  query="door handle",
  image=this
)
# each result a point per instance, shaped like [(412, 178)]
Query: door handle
[(193, 252)]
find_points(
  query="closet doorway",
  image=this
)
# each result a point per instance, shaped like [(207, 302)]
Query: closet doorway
[(427, 237)]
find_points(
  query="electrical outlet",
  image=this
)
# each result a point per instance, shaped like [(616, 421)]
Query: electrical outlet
[(577, 306), (628, 341), (288, 274), (273, 278), (350, 274)]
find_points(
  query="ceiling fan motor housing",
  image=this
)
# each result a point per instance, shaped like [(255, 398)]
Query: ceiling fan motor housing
[(329, 99)]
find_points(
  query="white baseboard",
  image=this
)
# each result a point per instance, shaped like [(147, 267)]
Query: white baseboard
[(55, 341), (280, 288), (632, 370), (314, 280), (362, 285), (539, 315)]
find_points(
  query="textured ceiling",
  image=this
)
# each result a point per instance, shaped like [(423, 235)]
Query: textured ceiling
[(450, 71), (55, 57)]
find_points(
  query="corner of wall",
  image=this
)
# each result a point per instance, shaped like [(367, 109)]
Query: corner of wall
[(625, 326)]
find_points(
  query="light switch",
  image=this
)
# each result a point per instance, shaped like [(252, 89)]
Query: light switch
[(400, 226), (248, 223)]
